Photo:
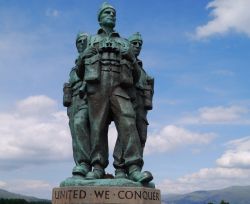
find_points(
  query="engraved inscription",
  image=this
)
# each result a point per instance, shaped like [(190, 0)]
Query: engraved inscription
[(122, 195)]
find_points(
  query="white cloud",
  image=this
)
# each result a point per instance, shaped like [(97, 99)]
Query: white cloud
[(223, 72), (228, 15), (29, 187), (2, 184), (219, 114), (206, 179), (36, 105), (237, 155), (233, 168), (36, 132), (29, 184), (52, 12), (168, 138), (112, 136), (172, 137), (215, 90), (33, 133)]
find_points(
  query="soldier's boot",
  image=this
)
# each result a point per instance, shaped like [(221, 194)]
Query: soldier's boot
[(81, 169), (136, 175), (97, 173), (120, 173)]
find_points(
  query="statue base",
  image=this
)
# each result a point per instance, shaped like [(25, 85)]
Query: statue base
[(105, 195), (122, 182)]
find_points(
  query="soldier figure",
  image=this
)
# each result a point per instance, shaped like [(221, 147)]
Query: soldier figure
[(143, 93), (109, 67), (75, 100)]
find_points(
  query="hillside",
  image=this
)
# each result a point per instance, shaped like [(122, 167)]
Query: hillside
[(233, 195), (8, 195)]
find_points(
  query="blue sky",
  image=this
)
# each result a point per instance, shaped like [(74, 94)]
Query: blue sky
[(198, 53)]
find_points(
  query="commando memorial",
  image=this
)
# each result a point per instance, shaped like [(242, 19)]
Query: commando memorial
[(108, 84)]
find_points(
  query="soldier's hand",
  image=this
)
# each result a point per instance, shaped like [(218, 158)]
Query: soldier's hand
[(124, 50), (89, 52), (128, 54)]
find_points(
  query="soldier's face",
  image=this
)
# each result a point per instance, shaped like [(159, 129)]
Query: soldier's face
[(137, 44), (108, 18), (81, 44)]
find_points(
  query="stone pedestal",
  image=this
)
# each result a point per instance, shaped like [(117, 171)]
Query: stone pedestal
[(105, 195)]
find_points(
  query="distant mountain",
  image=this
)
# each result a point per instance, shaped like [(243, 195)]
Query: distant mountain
[(8, 195), (233, 195)]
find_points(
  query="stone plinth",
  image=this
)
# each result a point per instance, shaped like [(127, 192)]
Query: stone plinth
[(105, 195)]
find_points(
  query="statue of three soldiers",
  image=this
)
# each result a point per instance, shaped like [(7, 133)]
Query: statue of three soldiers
[(108, 83)]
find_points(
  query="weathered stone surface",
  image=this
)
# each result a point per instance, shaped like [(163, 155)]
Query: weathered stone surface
[(80, 181), (105, 195)]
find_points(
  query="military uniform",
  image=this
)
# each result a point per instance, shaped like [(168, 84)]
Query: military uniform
[(109, 67), (75, 99), (141, 93), (109, 74), (79, 124), (144, 93)]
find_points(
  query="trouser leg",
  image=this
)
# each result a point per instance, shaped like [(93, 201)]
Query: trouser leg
[(118, 154), (142, 126), (71, 113), (99, 122), (124, 117), (81, 145)]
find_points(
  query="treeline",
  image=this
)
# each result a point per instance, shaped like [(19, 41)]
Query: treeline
[(222, 202), (21, 201)]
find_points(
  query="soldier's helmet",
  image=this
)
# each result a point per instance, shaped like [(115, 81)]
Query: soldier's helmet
[(135, 37), (103, 7)]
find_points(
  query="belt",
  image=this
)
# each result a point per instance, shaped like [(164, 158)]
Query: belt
[(111, 69)]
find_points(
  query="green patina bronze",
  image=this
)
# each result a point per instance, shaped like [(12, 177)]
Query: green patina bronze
[(121, 182), (142, 93), (108, 83), (75, 99)]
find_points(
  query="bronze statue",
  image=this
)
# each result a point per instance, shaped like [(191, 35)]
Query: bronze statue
[(144, 92), (141, 93), (75, 99), (108, 83), (109, 67)]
